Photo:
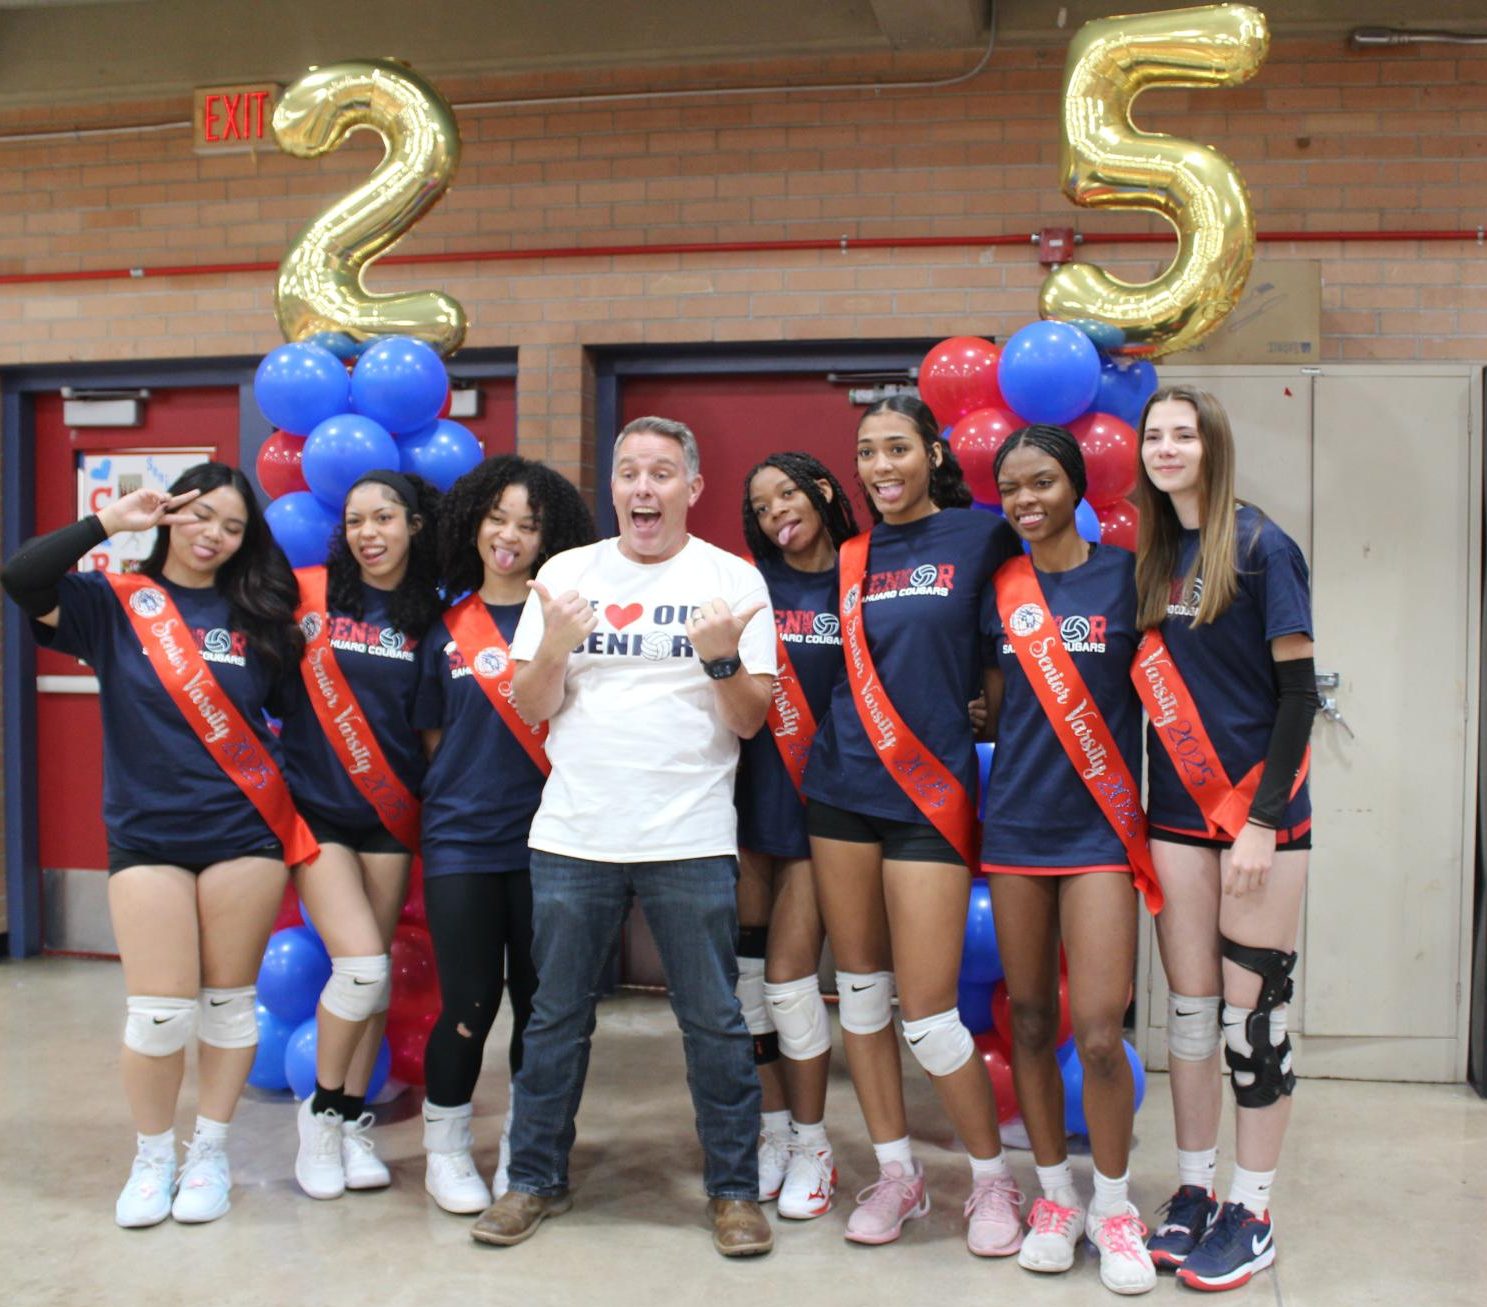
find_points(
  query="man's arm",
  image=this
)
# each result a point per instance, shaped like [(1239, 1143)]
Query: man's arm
[(743, 698), (537, 686)]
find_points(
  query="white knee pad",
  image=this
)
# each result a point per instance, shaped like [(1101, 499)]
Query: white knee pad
[(1193, 1027), (799, 1016), (750, 991), (355, 987), (941, 1043), (864, 1000), (225, 1018), (158, 1027)]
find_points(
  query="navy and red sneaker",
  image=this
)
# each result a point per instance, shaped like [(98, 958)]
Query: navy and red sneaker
[(1185, 1218), (1236, 1245)]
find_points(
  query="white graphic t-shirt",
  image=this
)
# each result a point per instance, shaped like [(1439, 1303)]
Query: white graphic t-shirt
[(642, 764)]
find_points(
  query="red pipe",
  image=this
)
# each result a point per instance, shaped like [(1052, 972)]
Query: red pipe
[(843, 244)]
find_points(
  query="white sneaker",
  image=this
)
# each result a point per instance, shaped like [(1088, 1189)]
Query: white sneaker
[(810, 1181), (359, 1161), (500, 1182), (453, 1181), (774, 1160), (205, 1182), (145, 1198), (1054, 1233), (1125, 1264), (318, 1166)]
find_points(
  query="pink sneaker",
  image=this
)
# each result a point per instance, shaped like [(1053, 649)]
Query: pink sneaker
[(994, 1217), (883, 1207)]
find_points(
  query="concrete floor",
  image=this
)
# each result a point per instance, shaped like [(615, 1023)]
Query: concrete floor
[(1382, 1196)]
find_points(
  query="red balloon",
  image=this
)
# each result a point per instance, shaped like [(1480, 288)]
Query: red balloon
[(1118, 523), (999, 1071), (279, 465), (448, 403), (958, 376), (407, 1044), (975, 440), (1001, 1011), (415, 980), (289, 913), (414, 912), (1110, 448)]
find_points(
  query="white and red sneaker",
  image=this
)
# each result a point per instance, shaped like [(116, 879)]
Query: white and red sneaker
[(1054, 1233), (810, 1181), (1125, 1264), (774, 1160), (883, 1207), (994, 1217)]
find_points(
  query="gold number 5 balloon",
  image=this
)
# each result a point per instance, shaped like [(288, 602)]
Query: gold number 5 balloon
[(1108, 162), (320, 286)]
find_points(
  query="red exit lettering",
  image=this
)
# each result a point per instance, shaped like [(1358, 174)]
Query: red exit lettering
[(234, 116)]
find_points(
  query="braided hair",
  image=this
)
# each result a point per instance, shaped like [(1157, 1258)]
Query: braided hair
[(806, 472), (415, 603), (947, 483), (1058, 443)]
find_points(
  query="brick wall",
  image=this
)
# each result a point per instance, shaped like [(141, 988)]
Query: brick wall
[(1327, 139)]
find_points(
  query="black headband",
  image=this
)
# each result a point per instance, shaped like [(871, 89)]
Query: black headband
[(394, 481)]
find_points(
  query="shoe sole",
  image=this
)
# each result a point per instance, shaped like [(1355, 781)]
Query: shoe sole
[(888, 1236), (455, 1211), (1002, 1250), (746, 1249), (142, 1225), (1046, 1268), (1235, 1279), (200, 1220), (1166, 1261), (809, 1214), (362, 1186), (324, 1196), (555, 1207)]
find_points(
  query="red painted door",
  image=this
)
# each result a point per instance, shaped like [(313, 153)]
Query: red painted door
[(495, 425), (69, 742)]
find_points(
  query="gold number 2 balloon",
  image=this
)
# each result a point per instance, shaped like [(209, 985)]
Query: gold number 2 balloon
[(1108, 162), (320, 286)]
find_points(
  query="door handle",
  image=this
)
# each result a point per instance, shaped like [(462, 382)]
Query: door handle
[(1328, 702)]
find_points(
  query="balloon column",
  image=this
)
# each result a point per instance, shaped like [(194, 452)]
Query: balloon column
[(1054, 372), (335, 426)]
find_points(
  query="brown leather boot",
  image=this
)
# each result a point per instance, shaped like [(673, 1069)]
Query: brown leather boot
[(739, 1227), (515, 1216)]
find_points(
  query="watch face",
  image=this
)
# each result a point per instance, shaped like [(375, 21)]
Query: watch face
[(720, 669)]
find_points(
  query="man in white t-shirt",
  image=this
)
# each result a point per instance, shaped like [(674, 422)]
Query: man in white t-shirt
[(649, 656)]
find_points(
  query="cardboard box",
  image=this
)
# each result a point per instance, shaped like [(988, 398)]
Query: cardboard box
[(1278, 319)]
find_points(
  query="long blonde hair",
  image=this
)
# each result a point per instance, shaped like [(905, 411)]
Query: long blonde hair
[(1158, 538)]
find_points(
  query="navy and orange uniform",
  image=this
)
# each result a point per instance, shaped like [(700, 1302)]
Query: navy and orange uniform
[(1228, 669), (1040, 816), (482, 787), (771, 815), (922, 602)]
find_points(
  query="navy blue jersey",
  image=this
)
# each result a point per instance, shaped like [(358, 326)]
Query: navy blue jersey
[(1227, 664), (771, 816), (1039, 812), (481, 788), (380, 664), (922, 614), (163, 792)]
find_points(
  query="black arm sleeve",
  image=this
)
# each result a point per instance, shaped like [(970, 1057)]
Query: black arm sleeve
[(1296, 681), (32, 575)]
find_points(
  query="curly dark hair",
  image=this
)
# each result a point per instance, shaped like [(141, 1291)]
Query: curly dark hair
[(416, 602), (562, 516), (257, 580), (1058, 443), (805, 471), (947, 483)]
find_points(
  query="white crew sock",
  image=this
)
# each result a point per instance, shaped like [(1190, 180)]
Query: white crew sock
[(776, 1123), (987, 1168), (212, 1132), (895, 1150), (162, 1145), (1197, 1167), (1057, 1183), (812, 1137), (1111, 1194), (1252, 1189)]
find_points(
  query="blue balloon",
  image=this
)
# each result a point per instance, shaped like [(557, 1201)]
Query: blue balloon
[(400, 382), (340, 343), (302, 525), (1105, 335), (440, 453), (973, 1000), (268, 1060), (1073, 1076), (341, 449), (1143, 385), (980, 960), (1138, 1073), (299, 1062), (298, 386), (1087, 522), (988, 508), (294, 970), (984, 755), (1124, 389), (1049, 372)]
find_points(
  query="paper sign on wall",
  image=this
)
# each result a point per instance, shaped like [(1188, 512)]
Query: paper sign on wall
[(102, 478)]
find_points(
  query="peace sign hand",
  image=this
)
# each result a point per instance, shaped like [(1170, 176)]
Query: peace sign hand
[(715, 629), (145, 508)]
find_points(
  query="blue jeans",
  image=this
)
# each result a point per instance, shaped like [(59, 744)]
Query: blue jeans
[(578, 908)]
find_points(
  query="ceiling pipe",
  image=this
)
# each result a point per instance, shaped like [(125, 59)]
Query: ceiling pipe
[(1362, 37)]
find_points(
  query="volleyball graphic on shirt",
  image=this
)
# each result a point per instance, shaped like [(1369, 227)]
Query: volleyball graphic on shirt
[(826, 624)]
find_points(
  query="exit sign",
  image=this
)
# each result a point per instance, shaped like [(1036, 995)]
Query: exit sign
[(230, 118)]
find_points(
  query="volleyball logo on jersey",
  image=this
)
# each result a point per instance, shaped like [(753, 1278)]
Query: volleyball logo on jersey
[(220, 645), (347, 635), (1184, 605), (936, 580), (806, 626), (626, 639), (1083, 634)]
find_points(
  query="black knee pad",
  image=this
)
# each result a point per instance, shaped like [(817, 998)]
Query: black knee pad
[(766, 1048), (1264, 1064)]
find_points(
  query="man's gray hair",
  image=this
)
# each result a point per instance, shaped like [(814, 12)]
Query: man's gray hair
[(673, 430)]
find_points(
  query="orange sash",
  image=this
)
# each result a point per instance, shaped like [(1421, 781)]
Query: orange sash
[(343, 721), (214, 718), (1075, 719), (1174, 713), (488, 656), (791, 721), (931, 786)]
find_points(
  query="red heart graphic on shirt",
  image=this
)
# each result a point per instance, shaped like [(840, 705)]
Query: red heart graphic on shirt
[(619, 618)]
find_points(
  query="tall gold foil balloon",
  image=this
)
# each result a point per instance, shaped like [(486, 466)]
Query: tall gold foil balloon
[(320, 279), (1108, 162)]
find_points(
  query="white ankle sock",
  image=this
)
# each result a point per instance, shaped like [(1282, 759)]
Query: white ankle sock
[(1197, 1167), (987, 1168), (809, 1136), (161, 1145), (1111, 1193), (775, 1123), (433, 1112), (895, 1150), (212, 1131), (1252, 1189), (1057, 1183)]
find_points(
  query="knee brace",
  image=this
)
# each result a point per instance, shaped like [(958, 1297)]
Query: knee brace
[(864, 1000), (941, 1044), (1257, 1048), (356, 986), (158, 1027), (799, 1016), (1193, 1027), (226, 1019), (750, 991)]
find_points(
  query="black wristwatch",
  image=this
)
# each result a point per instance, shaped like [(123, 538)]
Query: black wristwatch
[(720, 669)]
